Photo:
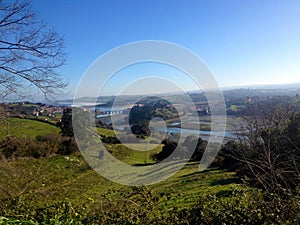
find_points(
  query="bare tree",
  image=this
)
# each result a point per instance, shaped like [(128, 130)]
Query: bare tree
[(270, 156), (30, 53)]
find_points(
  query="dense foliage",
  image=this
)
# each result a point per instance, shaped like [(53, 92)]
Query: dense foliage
[(42, 146), (66, 124), (149, 108), (143, 206), (191, 143)]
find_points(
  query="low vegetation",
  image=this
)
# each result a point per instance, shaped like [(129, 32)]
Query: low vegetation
[(45, 180)]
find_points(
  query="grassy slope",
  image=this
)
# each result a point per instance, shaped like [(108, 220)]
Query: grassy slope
[(133, 157), (25, 128), (106, 132), (48, 180), (70, 179)]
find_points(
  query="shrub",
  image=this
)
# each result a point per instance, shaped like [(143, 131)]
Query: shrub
[(227, 157), (141, 205), (42, 146), (67, 146), (197, 145), (167, 150), (245, 207), (110, 140), (8, 146)]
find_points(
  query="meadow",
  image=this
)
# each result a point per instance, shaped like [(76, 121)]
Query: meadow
[(63, 189), (26, 128)]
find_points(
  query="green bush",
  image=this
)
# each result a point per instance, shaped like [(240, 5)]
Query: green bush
[(42, 146), (168, 148), (143, 206), (246, 207), (8, 146), (67, 146), (110, 140)]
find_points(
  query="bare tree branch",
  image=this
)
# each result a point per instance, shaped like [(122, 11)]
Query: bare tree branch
[(269, 150), (30, 54)]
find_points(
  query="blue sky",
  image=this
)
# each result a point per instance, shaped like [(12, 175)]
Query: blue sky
[(242, 42)]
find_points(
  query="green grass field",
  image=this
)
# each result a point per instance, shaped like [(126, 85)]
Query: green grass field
[(65, 190), (46, 181), (129, 155), (25, 128), (106, 132), (69, 178), (59, 178)]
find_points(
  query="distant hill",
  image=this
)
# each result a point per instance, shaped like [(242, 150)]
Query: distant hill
[(265, 86), (260, 92), (198, 95)]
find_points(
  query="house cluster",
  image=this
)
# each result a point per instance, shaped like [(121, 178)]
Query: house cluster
[(202, 109), (48, 110)]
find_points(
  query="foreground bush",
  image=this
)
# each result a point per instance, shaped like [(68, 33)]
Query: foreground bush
[(42, 146), (246, 207), (142, 206)]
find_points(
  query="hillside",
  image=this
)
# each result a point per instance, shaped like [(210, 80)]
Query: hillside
[(69, 179), (61, 188), (26, 128), (29, 185)]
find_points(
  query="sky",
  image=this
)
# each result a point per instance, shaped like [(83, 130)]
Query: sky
[(242, 42)]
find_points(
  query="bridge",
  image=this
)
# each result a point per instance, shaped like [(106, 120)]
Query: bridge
[(103, 112)]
